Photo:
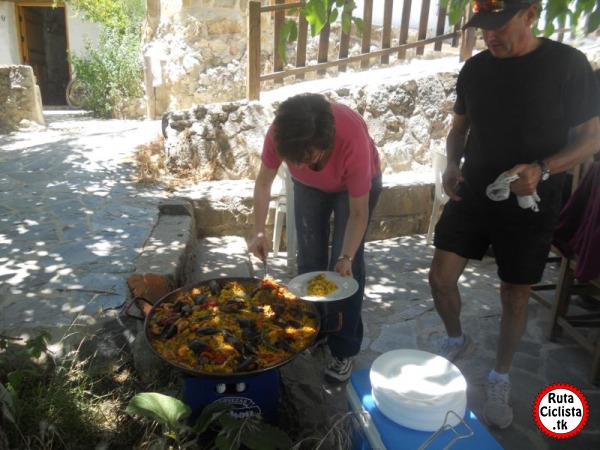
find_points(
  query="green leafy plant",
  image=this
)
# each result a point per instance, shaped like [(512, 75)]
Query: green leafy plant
[(555, 12), (33, 346), (231, 434), (168, 411), (562, 12), (249, 432), (111, 73), (456, 9), (318, 14), (13, 383), (56, 404)]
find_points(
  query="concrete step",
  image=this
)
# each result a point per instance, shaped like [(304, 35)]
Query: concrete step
[(218, 257), (228, 256), (224, 208)]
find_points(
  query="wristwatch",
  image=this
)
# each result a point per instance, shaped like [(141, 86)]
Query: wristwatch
[(348, 257), (545, 170)]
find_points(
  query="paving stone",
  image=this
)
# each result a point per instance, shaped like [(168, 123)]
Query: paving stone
[(398, 336), (416, 311)]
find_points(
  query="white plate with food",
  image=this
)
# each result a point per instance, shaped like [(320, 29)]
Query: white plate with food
[(322, 286)]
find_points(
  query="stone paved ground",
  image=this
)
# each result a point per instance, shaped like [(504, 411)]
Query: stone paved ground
[(72, 227), (72, 222), (399, 313)]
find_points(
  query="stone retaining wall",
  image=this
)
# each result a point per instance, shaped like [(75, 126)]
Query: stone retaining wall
[(224, 208), (408, 118), (20, 98)]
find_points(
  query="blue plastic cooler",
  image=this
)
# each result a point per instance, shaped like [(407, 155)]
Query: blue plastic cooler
[(381, 433)]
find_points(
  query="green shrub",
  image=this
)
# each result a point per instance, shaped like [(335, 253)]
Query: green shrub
[(111, 73), (119, 15)]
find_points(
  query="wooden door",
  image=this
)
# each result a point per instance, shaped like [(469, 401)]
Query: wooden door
[(31, 40), (43, 46)]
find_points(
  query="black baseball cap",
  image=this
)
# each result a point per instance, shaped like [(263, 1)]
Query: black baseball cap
[(492, 14)]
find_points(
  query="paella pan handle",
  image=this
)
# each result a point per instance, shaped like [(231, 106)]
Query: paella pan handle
[(134, 302), (340, 322)]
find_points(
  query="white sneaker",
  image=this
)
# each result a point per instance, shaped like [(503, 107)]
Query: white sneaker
[(497, 410), (338, 369), (453, 352)]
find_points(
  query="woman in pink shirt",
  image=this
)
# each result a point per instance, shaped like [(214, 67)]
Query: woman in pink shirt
[(336, 171)]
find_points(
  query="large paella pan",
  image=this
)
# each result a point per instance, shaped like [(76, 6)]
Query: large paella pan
[(231, 326)]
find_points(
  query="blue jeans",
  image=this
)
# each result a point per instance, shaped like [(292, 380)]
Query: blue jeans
[(313, 209)]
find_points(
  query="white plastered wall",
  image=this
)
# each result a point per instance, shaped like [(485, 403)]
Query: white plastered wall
[(9, 47), (415, 14), (78, 32)]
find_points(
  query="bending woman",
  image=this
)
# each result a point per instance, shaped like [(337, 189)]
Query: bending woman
[(336, 172)]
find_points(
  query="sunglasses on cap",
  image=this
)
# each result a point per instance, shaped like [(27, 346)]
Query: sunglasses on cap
[(495, 5)]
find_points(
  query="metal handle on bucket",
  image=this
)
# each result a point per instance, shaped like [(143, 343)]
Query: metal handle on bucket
[(445, 426)]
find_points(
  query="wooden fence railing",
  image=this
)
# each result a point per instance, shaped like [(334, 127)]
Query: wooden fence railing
[(299, 69)]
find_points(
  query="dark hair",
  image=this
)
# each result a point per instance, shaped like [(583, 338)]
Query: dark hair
[(303, 123)]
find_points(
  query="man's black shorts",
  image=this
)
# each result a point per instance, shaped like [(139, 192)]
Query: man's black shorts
[(521, 243)]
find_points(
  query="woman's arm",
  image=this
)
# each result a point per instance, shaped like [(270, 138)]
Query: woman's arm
[(262, 196), (354, 233)]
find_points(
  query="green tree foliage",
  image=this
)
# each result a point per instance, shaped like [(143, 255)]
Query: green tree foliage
[(555, 13), (119, 15)]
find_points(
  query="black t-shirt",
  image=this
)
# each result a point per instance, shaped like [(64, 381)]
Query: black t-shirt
[(521, 110)]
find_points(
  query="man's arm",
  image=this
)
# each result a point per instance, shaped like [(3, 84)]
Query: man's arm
[(455, 148), (585, 141)]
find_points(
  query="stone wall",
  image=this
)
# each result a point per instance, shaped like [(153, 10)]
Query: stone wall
[(195, 52), (20, 98), (224, 208), (407, 117)]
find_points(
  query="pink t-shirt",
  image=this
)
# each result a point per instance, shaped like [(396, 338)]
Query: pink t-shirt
[(352, 165)]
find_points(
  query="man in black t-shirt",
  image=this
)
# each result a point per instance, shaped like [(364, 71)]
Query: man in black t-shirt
[(527, 108)]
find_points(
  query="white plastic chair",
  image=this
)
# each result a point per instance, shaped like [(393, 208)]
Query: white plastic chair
[(440, 198), (284, 208), (280, 212)]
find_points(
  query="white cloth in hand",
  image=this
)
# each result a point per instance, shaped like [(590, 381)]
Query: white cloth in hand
[(500, 190)]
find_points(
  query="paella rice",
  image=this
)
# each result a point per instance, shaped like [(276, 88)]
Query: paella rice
[(320, 286), (231, 327)]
